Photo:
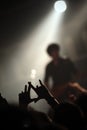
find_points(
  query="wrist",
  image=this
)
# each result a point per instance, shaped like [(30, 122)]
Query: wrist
[(52, 101)]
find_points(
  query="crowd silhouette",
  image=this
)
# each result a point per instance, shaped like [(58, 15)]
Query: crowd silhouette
[(65, 115)]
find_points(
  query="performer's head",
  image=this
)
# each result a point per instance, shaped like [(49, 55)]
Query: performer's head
[(53, 50)]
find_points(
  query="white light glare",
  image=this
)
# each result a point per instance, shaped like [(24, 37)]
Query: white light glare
[(60, 6), (33, 74)]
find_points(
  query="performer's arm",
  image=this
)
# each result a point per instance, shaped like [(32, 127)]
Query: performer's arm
[(78, 87)]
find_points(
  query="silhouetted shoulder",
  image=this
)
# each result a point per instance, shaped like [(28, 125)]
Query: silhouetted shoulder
[(66, 59), (49, 64)]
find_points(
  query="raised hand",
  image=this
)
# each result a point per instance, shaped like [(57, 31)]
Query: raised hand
[(42, 91), (24, 97), (3, 101)]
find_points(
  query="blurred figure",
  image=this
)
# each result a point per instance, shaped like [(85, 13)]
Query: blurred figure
[(63, 73)]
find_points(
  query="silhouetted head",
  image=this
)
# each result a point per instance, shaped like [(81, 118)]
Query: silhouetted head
[(82, 103), (13, 117), (69, 115), (53, 50)]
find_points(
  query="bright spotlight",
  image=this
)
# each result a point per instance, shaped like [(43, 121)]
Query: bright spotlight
[(60, 6), (33, 74)]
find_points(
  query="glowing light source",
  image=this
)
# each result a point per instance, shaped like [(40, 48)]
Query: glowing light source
[(33, 74), (60, 6)]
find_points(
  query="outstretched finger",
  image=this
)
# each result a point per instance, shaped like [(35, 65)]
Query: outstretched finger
[(25, 89), (31, 86), (41, 82)]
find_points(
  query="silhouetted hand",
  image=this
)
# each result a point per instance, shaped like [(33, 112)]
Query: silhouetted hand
[(42, 91), (3, 101), (24, 97)]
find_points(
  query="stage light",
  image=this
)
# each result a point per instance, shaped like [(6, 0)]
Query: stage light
[(60, 6), (33, 74)]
